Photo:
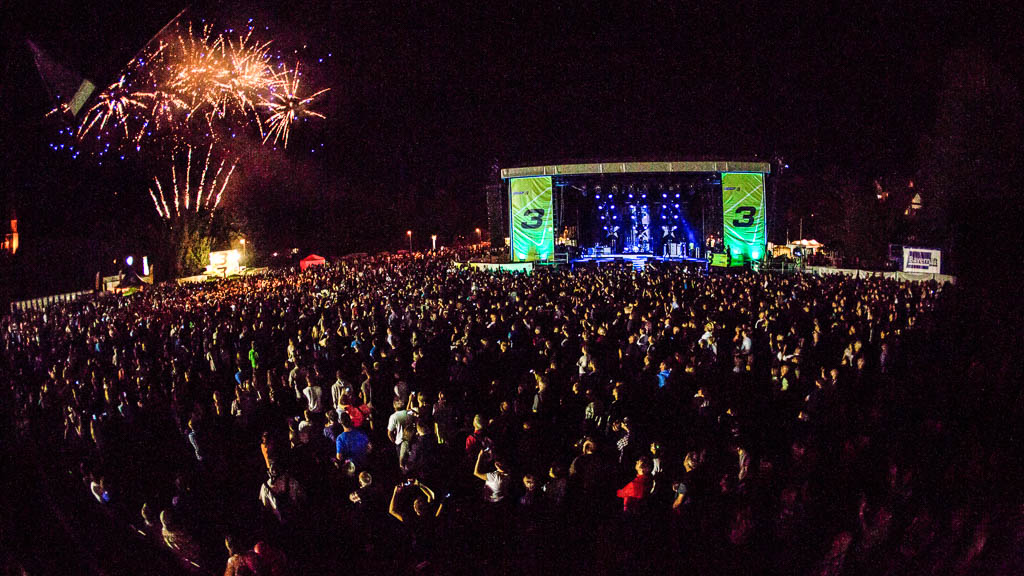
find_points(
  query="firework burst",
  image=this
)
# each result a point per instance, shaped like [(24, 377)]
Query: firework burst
[(286, 106), (195, 87), (114, 106)]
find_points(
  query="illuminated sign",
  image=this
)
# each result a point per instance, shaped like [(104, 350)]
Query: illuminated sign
[(224, 262), (921, 260)]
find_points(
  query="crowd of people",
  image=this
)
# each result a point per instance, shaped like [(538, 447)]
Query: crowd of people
[(406, 413)]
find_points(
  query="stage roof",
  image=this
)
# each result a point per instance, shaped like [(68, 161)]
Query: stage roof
[(636, 168)]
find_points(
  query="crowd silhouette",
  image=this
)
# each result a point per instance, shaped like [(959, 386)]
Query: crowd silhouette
[(409, 414)]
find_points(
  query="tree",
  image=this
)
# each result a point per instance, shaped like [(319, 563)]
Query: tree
[(968, 164), (187, 240)]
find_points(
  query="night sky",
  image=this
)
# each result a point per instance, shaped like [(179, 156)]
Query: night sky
[(425, 97)]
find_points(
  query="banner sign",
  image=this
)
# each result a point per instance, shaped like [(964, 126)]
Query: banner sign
[(533, 223), (746, 234), (921, 260)]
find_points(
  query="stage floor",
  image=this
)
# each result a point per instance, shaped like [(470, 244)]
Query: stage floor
[(638, 260)]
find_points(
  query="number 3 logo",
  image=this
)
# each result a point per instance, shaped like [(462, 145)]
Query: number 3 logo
[(748, 213), (536, 216)]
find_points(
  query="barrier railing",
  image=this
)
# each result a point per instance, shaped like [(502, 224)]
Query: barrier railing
[(898, 276), (44, 301)]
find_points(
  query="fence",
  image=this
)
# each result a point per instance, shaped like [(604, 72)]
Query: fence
[(109, 284), (782, 268), (44, 301), (898, 276)]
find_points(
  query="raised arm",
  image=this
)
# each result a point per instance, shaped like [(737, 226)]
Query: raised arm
[(426, 490), (391, 507), (476, 469)]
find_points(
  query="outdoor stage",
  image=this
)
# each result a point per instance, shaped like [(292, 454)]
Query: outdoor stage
[(637, 212), (638, 261)]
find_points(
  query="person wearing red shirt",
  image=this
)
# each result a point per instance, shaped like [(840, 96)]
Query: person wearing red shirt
[(639, 488), (346, 406), (477, 440)]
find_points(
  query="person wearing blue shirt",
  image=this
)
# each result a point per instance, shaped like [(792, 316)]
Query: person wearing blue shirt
[(664, 375), (352, 444)]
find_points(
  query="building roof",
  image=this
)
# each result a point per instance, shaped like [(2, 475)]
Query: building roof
[(637, 168)]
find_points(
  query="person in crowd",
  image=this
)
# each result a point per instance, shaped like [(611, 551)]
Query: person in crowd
[(556, 486), (352, 444), (531, 497), (242, 562), (367, 495), (178, 539), (477, 440), (497, 482), (422, 522), (313, 395), (421, 503), (333, 427), (423, 456), (638, 490), (281, 495), (400, 421), (273, 560), (340, 387)]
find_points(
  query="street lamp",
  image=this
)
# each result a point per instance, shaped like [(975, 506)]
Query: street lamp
[(433, 242), (478, 236), (409, 234)]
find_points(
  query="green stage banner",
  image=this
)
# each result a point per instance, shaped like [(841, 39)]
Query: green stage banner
[(533, 224), (743, 213)]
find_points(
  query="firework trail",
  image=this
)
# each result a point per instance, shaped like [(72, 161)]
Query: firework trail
[(188, 198)]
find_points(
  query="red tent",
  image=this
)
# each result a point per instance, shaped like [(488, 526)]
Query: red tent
[(312, 260)]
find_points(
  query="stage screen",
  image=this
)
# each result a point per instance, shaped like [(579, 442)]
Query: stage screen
[(533, 225), (743, 214)]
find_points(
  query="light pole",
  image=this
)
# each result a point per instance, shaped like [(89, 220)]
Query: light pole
[(409, 234), (479, 237), (433, 242)]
